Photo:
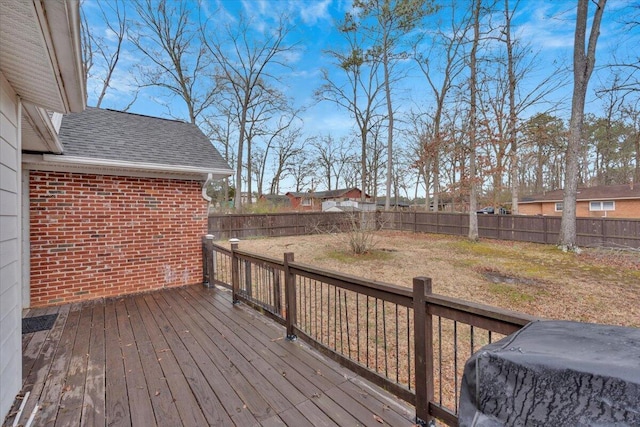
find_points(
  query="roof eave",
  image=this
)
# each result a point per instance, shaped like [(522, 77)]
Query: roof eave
[(60, 23), (116, 167), (42, 125)]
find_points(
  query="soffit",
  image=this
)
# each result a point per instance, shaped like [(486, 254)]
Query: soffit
[(24, 56)]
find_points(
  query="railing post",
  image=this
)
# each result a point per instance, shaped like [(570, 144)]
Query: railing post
[(235, 271), (423, 327), (208, 261), (290, 292)]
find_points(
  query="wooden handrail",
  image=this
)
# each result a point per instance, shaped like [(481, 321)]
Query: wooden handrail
[(384, 291), (274, 262), (490, 318)]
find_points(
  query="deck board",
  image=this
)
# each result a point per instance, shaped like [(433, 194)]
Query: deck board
[(186, 403), (164, 408), (175, 332), (93, 407), (116, 400), (70, 409), (187, 356)]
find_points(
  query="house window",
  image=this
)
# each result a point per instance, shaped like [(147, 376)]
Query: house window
[(559, 206), (306, 202), (602, 206)]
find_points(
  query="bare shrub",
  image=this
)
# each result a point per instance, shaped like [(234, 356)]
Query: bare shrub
[(355, 229)]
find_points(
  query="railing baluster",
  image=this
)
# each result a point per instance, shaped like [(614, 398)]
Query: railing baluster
[(346, 316), (455, 357), (409, 349), (440, 360), (326, 319)]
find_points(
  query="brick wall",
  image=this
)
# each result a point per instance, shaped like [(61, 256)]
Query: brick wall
[(623, 209), (95, 236)]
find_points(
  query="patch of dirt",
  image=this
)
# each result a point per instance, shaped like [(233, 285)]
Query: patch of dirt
[(496, 277), (594, 286)]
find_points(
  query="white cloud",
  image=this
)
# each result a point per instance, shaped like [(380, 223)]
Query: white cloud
[(313, 11), (546, 27)]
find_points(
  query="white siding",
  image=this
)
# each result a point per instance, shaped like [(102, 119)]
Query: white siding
[(10, 248)]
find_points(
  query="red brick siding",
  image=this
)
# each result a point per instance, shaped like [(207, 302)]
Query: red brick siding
[(623, 209), (95, 236)]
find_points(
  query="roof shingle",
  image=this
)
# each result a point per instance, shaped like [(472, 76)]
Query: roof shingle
[(115, 135)]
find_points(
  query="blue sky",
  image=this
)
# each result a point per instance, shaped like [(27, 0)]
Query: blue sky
[(545, 26)]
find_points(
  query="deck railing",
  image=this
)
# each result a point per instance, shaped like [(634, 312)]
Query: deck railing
[(407, 340)]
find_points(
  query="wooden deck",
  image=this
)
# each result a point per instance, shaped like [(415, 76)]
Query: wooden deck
[(186, 356)]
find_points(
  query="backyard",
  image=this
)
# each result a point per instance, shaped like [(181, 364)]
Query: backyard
[(597, 285)]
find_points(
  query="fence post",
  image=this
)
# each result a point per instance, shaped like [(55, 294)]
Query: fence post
[(423, 327), (290, 291), (208, 259), (235, 271)]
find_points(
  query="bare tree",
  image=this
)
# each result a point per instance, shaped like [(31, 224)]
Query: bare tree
[(262, 124), (450, 64), (302, 170), (101, 54), (286, 148), (473, 126), (360, 95), (583, 63), (332, 159), (391, 20), (244, 67), (174, 58), (513, 114), (272, 137)]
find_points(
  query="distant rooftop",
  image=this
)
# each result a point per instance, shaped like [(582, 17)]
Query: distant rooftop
[(601, 192)]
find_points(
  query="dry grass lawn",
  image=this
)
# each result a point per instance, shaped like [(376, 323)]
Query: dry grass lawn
[(595, 286)]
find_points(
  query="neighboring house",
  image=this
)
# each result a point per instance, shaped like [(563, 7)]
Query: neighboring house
[(40, 70), (381, 203), (121, 210), (611, 201), (312, 201), (276, 200), (347, 206)]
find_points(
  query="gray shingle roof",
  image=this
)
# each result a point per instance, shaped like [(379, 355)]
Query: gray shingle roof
[(115, 135), (324, 194)]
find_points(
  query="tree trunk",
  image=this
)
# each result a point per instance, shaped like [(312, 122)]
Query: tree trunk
[(363, 164), (511, 133), (387, 89), (243, 123), (583, 63), (249, 179), (473, 196)]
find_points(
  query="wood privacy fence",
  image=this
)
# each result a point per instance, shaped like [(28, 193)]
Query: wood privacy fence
[(407, 340), (591, 232)]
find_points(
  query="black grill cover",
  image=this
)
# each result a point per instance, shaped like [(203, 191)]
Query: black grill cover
[(555, 373)]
